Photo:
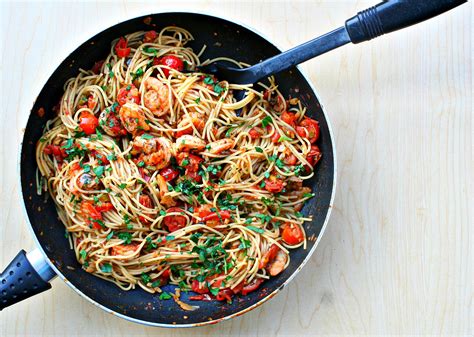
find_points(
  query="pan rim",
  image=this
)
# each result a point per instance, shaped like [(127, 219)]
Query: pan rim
[(233, 315)]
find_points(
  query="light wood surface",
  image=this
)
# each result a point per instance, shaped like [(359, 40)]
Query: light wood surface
[(397, 256)]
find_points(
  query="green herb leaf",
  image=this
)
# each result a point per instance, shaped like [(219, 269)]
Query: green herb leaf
[(106, 268), (169, 237), (123, 186), (284, 138), (258, 149), (214, 291), (267, 120), (146, 278), (147, 136), (165, 296), (308, 195), (126, 237), (99, 171), (110, 235), (197, 100), (83, 254), (256, 229)]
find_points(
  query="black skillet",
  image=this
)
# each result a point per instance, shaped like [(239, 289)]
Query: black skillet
[(29, 274)]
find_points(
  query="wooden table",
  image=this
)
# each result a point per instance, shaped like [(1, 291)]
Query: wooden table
[(397, 256)]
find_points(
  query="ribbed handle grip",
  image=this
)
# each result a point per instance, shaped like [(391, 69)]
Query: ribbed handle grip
[(20, 281), (392, 15)]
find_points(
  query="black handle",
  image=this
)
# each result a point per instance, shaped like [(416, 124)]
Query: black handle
[(392, 15), (20, 281)]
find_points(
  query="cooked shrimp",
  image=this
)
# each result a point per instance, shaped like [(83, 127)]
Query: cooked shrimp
[(195, 119), (154, 152), (133, 118), (221, 145), (277, 265), (188, 143), (165, 200), (157, 97), (124, 250)]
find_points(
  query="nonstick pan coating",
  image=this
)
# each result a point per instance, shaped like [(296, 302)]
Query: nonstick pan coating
[(222, 38)]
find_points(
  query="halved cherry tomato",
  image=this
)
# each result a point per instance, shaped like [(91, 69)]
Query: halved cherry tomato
[(193, 161), (150, 36), (88, 122), (171, 61), (97, 66), (252, 286), (104, 207), (268, 256), (276, 137), (308, 128), (174, 222), (163, 278), (195, 286), (273, 184), (56, 150), (292, 234), (255, 132), (314, 155), (289, 118), (187, 131), (225, 295), (121, 48), (124, 249), (218, 215), (145, 200), (290, 159), (169, 173), (128, 93), (91, 214)]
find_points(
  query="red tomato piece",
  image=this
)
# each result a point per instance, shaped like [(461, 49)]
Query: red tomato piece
[(290, 159), (314, 155), (174, 222), (255, 132), (308, 128), (274, 185), (128, 93), (169, 173), (195, 286), (220, 215), (268, 256), (121, 48), (91, 102), (149, 36), (91, 214), (171, 61), (97, 66), (276, 137), (104, 207), (252, 286), (56, 150), (88, 122), (225, 295), (292, 234), (187, 131), (289, 118)]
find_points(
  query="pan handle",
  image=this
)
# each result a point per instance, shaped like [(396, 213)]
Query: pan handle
[(27, 275), (389, 16)]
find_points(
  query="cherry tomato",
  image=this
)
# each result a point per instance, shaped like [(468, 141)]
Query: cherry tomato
[(104, 207), (255, 132), (149, 36), (195, 286), (225, 295), (145, 200), (56, 150), (97, 66), (169, 173), (88, 122), (276, 137), (171, 61), (128, 93), (187, 131), (268, 256), (308, 128), (121, 48), (289, 118), (220, 215), (314, 155), (174, 222), (292, 234), (290, 159), (273, 184), (124, 249), (252, 286), (91, 214)]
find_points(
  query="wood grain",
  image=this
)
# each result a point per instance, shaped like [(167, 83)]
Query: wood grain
[(397, 257)]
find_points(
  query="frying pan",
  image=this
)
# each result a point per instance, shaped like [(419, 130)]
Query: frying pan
[(29, 274)]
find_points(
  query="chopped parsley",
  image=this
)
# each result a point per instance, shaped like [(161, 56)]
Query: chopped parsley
[(165, 296), (258, 149), (110, 235), (256, 229), (284, 138), (83, 254), (267, 120), (146, 278), (99, 171), (126, 237), (147, 136), (197, 100), (106, 268), (123, 186)]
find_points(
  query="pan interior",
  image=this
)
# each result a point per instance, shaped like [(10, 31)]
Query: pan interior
[(222, 38)]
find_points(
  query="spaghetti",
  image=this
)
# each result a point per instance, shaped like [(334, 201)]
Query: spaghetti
[(161, 176)]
